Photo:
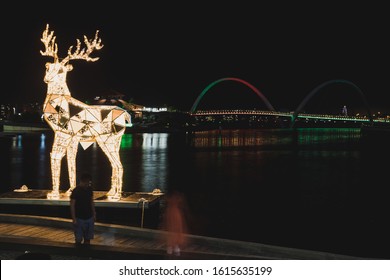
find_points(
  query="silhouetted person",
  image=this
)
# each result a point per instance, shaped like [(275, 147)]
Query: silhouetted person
[(344, 111), (175, 223), (82, 208)]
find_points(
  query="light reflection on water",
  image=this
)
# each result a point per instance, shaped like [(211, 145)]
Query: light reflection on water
[(274, 137), (240, 138), (145, 155), (154, 161)]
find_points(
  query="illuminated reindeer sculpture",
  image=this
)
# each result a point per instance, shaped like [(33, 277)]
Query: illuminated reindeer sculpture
[(75, 122)]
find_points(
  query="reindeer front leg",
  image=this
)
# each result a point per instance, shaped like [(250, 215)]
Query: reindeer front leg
[(55, 162), (57, 153), (71, 152), (115, 192), (117, 176)]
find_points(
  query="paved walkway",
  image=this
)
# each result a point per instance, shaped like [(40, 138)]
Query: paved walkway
[(48, 236)]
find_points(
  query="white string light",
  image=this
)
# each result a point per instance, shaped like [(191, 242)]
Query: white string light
[(75, 122)]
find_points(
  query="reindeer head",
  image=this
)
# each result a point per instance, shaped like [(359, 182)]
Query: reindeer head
[(59, 68)]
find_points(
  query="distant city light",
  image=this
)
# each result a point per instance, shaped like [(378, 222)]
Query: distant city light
[(155, 110)]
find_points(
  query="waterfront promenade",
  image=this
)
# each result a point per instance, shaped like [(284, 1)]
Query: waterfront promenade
[(53, 238)]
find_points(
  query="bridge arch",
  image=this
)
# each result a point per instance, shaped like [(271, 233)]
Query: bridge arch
[(265, 100), (316, 90)]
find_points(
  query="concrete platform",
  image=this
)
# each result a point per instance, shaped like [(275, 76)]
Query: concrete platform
[(39, 197), (45, 236)]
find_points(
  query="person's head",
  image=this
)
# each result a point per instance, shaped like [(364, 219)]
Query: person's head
[(86, 179), (176, 198)]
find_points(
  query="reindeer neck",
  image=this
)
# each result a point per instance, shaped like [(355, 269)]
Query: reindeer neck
[(58, 87)]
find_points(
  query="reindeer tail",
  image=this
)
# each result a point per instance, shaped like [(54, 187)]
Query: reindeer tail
[(128, 120)]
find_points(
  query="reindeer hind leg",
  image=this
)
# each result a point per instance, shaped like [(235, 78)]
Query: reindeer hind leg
[(111, 149)]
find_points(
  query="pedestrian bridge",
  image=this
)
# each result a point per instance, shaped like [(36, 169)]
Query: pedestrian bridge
[(363, 119), (298, 112)]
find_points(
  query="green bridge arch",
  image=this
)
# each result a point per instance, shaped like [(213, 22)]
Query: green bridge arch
[(317, 89)]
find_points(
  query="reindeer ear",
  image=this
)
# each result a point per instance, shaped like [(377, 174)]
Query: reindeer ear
[(69, 67), (47, 65)]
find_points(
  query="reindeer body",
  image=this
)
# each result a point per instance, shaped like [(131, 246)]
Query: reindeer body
[(75, 122)]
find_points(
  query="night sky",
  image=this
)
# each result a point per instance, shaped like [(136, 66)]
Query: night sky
[(166, 54)]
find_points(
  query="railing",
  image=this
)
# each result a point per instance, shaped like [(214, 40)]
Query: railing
[(289, 114)]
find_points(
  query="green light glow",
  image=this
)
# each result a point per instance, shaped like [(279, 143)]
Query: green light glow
[(317, 89), (127, 141)]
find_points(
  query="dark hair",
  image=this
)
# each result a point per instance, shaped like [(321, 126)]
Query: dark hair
[(85, 177)]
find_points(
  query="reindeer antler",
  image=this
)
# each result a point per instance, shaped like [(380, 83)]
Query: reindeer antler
[(95, 44), (49, 40)]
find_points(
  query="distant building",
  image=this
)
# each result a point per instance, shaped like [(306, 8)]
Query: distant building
[(6, 111), (26, 112)]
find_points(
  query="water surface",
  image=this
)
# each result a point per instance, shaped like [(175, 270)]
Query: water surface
[(319, 189)]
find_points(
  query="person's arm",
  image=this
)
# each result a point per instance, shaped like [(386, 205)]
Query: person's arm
[(93, 208), (73, 210)]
